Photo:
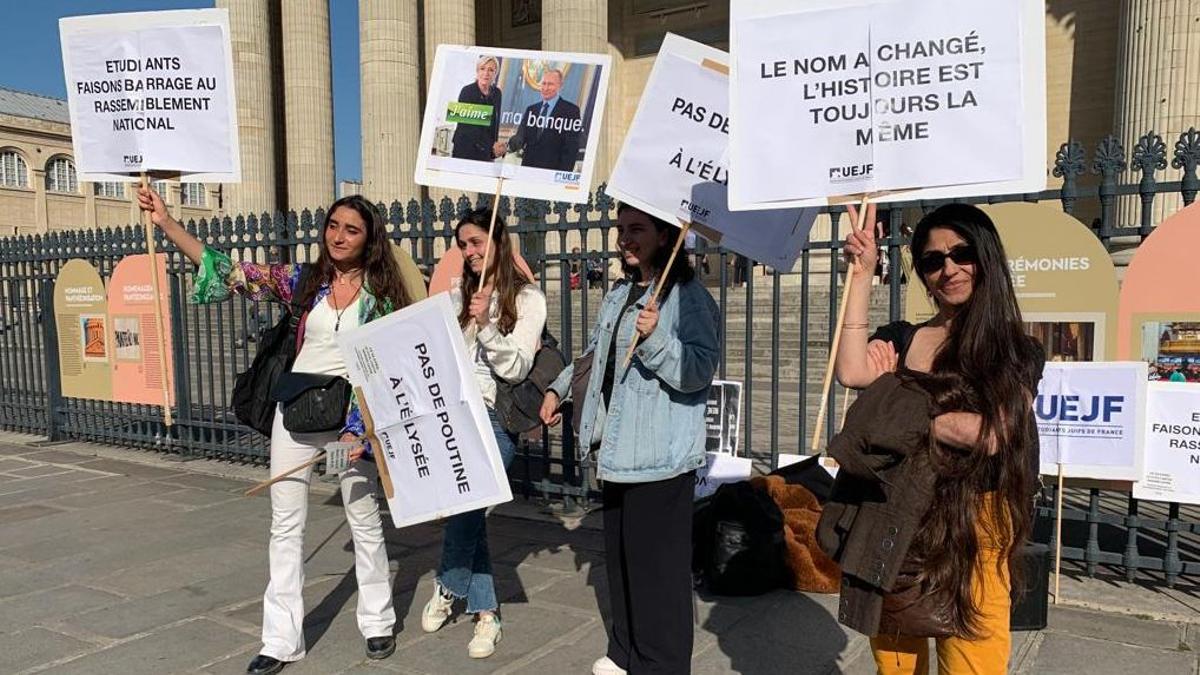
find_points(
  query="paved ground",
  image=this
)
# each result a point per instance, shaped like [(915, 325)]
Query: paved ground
[(115, 561)]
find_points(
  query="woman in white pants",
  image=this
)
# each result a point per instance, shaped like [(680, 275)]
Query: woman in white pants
[(355, 279)]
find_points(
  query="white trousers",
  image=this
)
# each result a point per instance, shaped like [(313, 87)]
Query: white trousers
[(283, 603)]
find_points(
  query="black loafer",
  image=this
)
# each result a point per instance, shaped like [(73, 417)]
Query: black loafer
[(264, 665), (380, 647)]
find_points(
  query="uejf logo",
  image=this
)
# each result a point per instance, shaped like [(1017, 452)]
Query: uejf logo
[(841, 174), (132, 160), (566, 177), (1067, 408)]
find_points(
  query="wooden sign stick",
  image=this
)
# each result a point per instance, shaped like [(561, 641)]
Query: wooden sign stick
[(1058, 534), (662, 276), (837, 334), (487, 252), (385, 477), (268, 483), (148, 228)]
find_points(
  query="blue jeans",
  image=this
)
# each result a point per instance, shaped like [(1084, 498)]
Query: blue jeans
[(466, 570)]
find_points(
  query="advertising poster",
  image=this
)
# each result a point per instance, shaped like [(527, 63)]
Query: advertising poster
[(1064, 279), (81, 320), (530, 117), (136, 364), (152, 91)]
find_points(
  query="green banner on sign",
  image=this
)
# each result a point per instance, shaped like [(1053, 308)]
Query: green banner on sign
[(478, 114)]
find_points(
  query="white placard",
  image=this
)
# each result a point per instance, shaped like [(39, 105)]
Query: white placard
[(1089, 418), (152, 91), (674, 163), (546, 155), (827, 463), (720, 468), (1171, 471), (429, 416), (841, 97)]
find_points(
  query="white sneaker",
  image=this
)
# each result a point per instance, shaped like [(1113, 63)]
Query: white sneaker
[(606, 666), (437, 610), (487, 635)]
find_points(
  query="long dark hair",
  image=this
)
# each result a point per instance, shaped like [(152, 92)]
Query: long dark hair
[(503, 274), (982, 367), (381, 272), (681, 270)]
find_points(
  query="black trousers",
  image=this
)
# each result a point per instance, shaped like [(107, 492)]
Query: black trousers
[(648, 553)]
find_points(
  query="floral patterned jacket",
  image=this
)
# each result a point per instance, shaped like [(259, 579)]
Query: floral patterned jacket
[(219, 278)]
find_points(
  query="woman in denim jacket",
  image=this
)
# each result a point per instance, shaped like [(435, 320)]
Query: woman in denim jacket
[(647, 421)]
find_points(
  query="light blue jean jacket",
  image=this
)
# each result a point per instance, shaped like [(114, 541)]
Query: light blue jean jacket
[(653, 428)]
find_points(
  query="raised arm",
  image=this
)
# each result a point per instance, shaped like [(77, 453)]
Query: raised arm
[(150, 202), (853, 366)]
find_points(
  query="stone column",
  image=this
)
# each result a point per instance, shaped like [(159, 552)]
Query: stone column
[(447, 22), (1158, 83), (250, 33), (582, 26), (308, 104), (391, 124)]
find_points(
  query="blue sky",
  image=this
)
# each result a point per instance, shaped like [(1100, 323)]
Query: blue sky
[(31, 59)]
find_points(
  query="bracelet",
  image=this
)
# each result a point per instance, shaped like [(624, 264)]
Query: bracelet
[(853, 326)]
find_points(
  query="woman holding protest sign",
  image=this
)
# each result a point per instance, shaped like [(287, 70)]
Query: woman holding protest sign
[(928, 539), (645, 419), (502, 322), (355, 279), (476, 141)]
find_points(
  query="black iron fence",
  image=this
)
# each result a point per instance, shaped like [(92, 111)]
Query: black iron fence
[(775, 330)]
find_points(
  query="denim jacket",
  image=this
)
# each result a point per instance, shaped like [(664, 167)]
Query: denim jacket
[(653, 428)]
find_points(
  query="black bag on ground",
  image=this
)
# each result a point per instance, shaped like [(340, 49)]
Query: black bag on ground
[(251, 398), (738, 546), (518, 406)]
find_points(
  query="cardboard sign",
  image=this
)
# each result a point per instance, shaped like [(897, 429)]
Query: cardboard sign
[(530, 117), (137, 367), (152, 91), (1172, 438), (81, 319), (1090, 417), (722, 416), (720, 468), (674, 163), (842, 97), (429, 419)]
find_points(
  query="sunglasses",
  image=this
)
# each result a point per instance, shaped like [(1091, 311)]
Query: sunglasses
[(932, 261)]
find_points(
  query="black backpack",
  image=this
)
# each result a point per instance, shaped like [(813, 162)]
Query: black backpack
[(518, 406), (251, 400), (737, 541)]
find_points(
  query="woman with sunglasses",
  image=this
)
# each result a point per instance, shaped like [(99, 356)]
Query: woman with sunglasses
[(983, 456)]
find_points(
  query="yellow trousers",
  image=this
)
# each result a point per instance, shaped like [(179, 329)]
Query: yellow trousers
[(985, 655)]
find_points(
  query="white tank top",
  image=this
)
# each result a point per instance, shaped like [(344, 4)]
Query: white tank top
[(319, 353)]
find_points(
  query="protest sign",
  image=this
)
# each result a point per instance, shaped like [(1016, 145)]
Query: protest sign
[(530, 118), (428, 419), (720, 468), (787, 459), (722, 416), (841, 97), (1089, 419), (140, 373), (1172, 453), (1063, 277), (152, 91), (674, 163), (81, 320)]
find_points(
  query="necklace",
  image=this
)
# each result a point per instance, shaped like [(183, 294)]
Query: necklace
[(345, 277), (338, 323)]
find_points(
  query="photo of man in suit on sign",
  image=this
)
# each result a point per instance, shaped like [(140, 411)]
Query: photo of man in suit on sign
[(550, 130)]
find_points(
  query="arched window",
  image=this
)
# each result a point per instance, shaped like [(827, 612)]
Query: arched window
[(113, 190), (60, 175), (192, 194), (13, 171)]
